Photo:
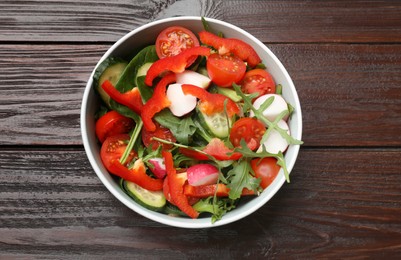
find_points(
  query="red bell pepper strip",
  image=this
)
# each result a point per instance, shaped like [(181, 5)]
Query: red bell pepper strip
[(211, 103), (137, 175), (239, 48), (176, 187), (131, 99), (204, 191), (215, 148), (157, 102), (175, 64)]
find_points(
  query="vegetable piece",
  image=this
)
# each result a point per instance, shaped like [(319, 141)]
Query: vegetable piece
[(202, 174), (131, 99), (275, 143), (193, 78), (174, 64), (258, 81), (157, 102), (229, 93), (110, 69), (249, 129), (219, 190), (265, 169), (211, 103), (237, 47), (113, 148), (224, 70), (215, 148), (153, 200), (137, 175), (160, 132), (217, 124), (112, 123), (159, 168), (173, 40), (276, 107), (176, 187), (180, 104)]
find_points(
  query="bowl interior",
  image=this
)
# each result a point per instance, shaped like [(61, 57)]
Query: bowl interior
[(146, 35)]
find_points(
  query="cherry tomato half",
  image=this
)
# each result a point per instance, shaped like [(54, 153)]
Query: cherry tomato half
[(112, 123), (266, 169), (160, 132), (249, 129), (113, 148), (173, 40), (258, 80), (224, 70)]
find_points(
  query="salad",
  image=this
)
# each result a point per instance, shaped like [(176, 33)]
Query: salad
[(192, 124)]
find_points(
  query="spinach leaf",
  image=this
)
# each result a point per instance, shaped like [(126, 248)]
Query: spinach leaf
[(182, 128), (127, 80)]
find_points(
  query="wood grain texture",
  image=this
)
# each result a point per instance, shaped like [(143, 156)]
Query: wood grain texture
[(350, 93), (337, 205), (270, 21)]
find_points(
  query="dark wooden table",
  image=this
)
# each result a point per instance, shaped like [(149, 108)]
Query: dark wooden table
[(344, 199)]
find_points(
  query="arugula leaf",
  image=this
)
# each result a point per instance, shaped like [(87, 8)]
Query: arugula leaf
[(216, 206), (246, 152), (241, 178)]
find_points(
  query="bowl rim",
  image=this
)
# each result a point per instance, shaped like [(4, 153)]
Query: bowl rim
[(179, 221)]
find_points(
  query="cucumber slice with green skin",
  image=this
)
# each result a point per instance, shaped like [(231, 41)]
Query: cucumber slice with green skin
[(153, 200), (174, 211), (217, 124), (110, 69)]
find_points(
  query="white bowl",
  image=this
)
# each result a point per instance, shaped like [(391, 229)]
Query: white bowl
[(146, 35)]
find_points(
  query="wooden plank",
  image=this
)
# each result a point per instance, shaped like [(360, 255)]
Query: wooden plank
[(52, 205), (42, 88), (270, 21)]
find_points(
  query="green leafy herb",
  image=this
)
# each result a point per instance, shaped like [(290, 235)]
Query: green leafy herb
[(134, 137), (182, 128), (241, 178), (215, 206)]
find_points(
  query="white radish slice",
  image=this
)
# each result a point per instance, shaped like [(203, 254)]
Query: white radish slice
[(181, 104), (193, 78), (202, 174), (276, 107), (275, 142), (159, 168)]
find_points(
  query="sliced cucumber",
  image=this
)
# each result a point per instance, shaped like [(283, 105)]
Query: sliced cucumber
[(172, 210), (153, 200), (217, 124), (110, 69), (143, 69)]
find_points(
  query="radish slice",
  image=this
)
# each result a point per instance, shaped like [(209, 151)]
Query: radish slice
[(276, 107), (193, 78), (159, 169), (181, 104), (275, 142), (202, 174)]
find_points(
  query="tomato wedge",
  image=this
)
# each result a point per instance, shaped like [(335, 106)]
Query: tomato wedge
[(131, 99), (173, 40), (266, 169), (258, 81), (249, 129), (113, 148), (237, 47), (112, 123), (157, 102), (176, 187), (215, 148), (160, 132), (175, 64), (224, 70), (204, 191)]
